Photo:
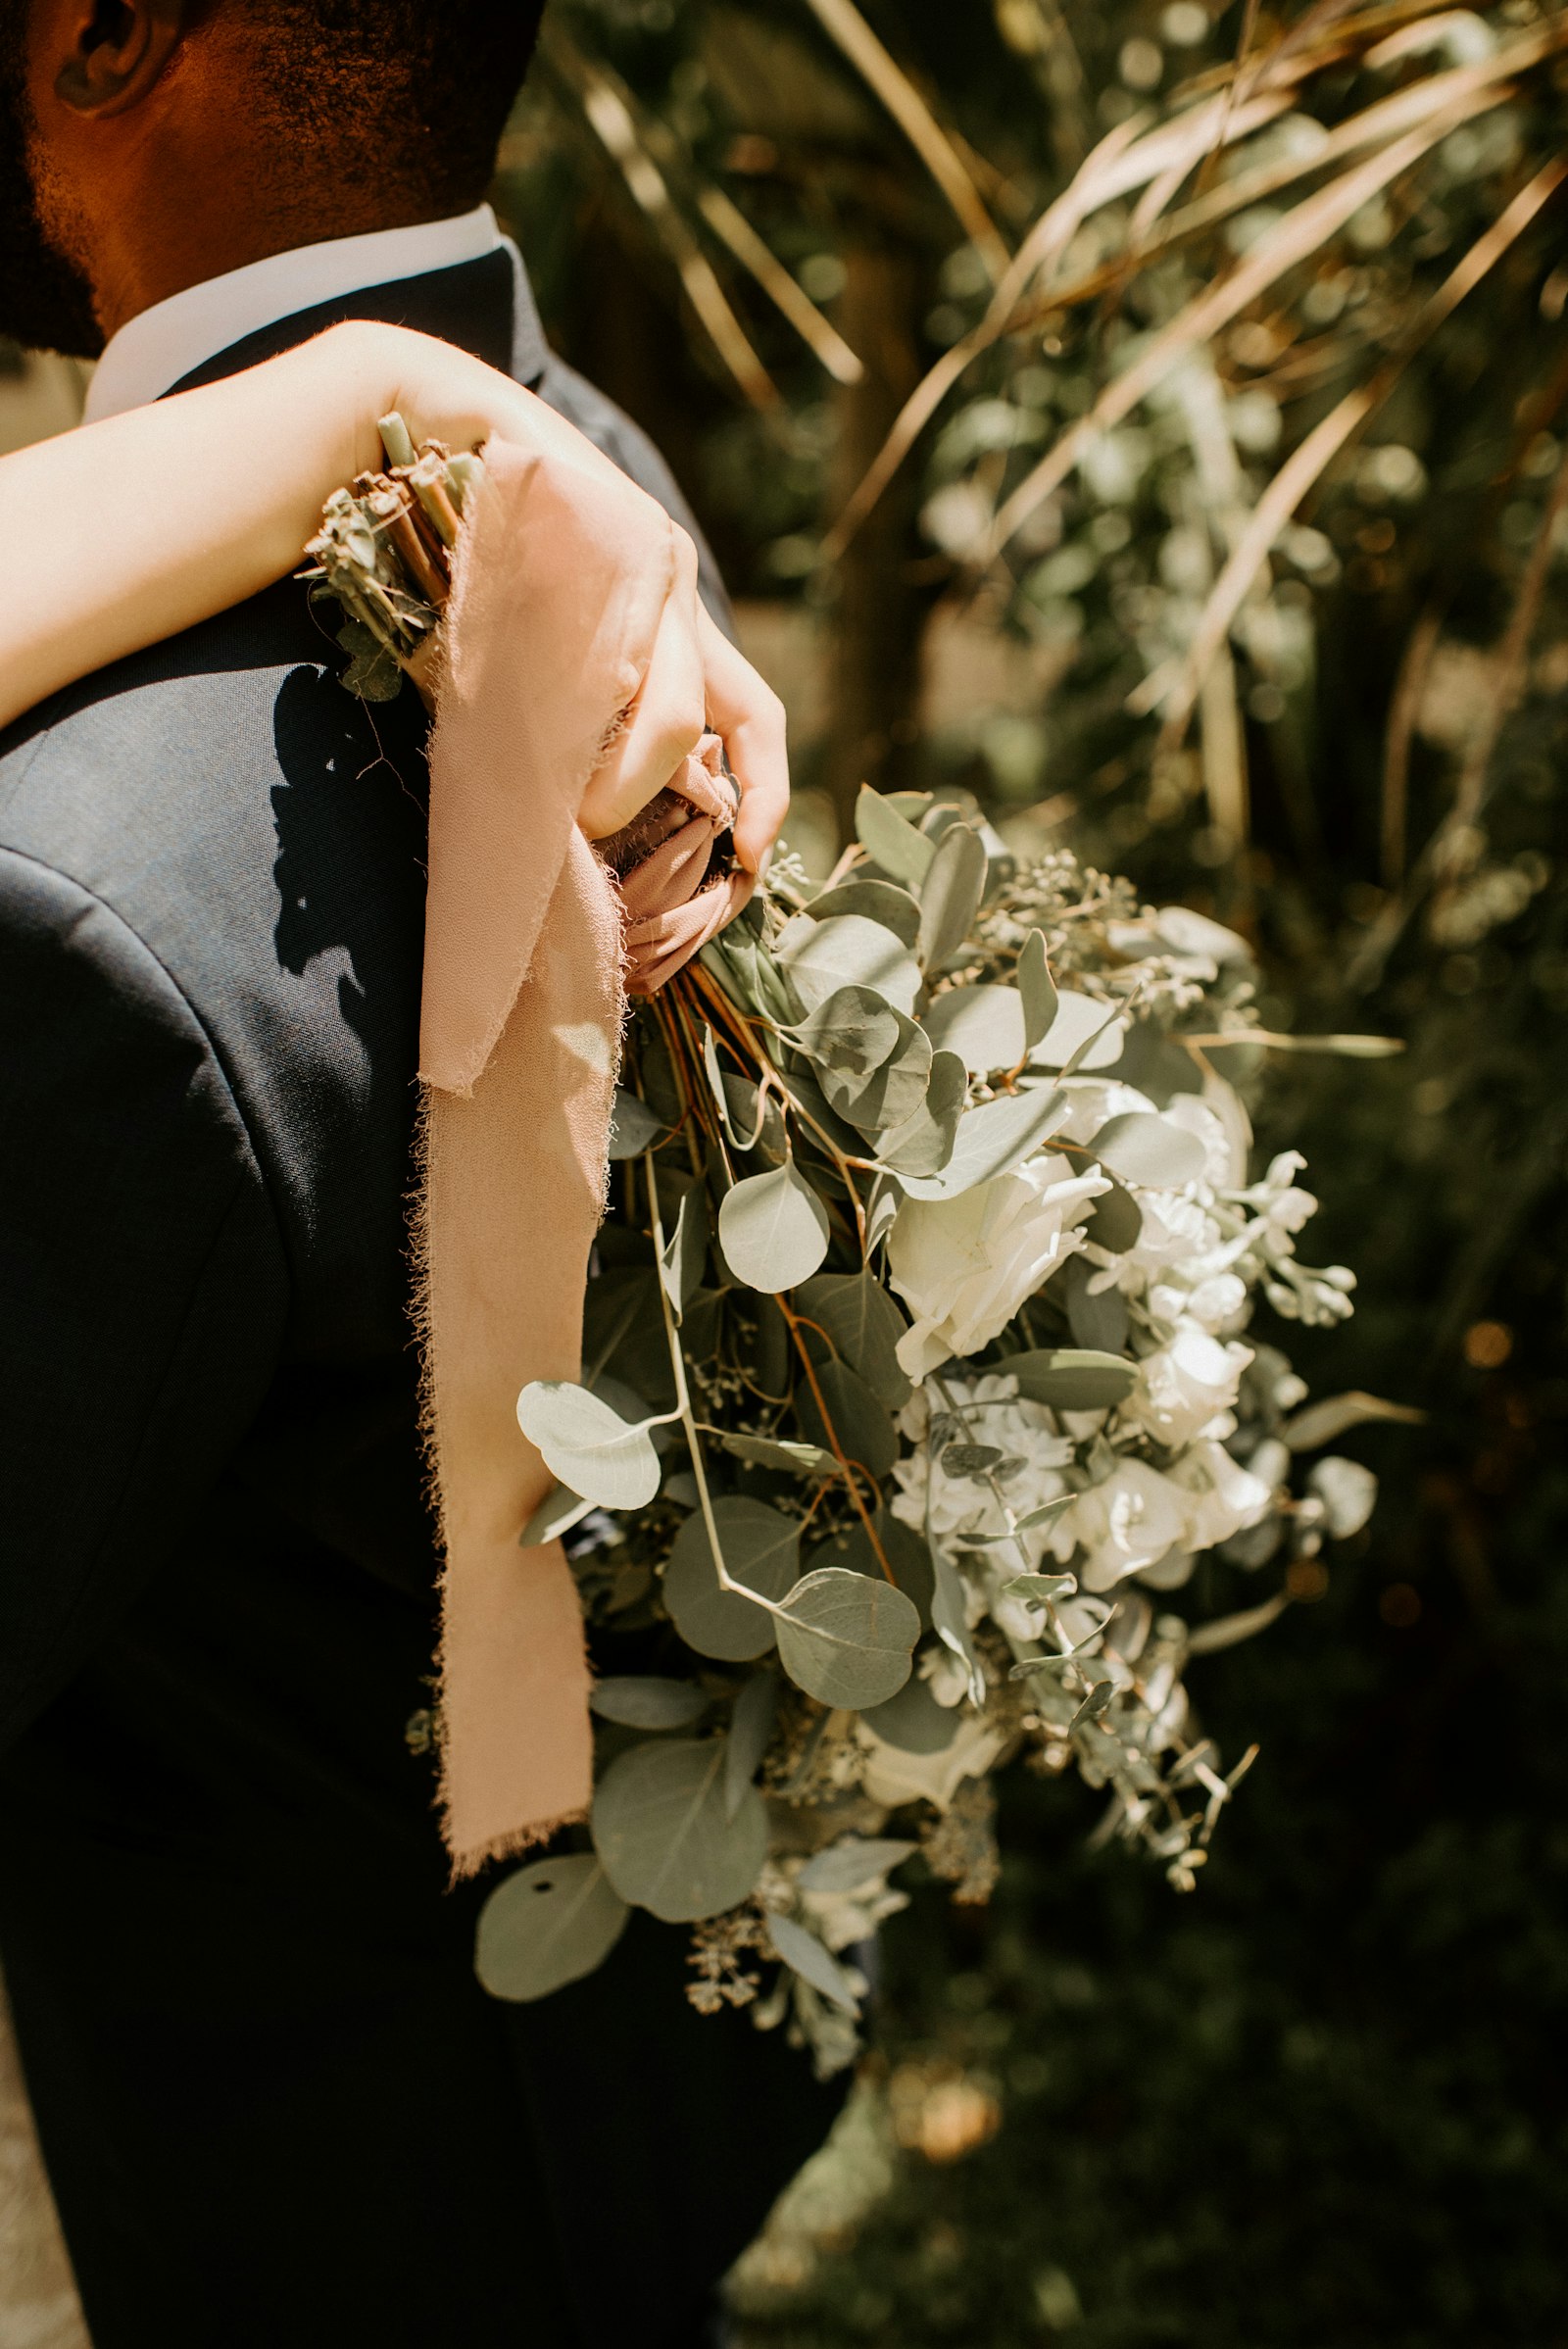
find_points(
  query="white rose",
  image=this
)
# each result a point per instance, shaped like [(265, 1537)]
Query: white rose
[(1125, 1524), (1226, 1497), (1184, 1385), (963, 1267)]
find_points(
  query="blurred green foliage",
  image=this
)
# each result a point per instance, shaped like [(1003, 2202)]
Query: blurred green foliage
[(1314, 2103)]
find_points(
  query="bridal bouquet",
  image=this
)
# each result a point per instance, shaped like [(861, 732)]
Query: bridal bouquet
[(915, 1384)]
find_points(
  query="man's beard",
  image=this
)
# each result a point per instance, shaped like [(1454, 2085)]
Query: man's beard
[(45, 303)]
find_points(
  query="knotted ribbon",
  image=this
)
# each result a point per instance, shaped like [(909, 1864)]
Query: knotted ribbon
[(566, 577)]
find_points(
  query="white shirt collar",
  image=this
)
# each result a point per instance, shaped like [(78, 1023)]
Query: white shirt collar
[(160, 345)]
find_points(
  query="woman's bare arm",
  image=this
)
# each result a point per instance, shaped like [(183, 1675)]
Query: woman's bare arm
[(127, 531)]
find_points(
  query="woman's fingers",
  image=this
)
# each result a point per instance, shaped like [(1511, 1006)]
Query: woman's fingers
[(664, 723), (696, 681), (749, 716)]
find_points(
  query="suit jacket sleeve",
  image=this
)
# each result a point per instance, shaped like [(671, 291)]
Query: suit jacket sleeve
[(144, 1290)]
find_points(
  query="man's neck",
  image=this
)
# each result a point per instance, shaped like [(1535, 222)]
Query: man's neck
[(161, 344), (193, 249)]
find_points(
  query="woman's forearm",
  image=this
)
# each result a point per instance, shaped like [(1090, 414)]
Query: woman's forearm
[(124, 532)]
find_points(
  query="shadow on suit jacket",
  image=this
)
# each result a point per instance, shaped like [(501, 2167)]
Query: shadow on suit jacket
[(275, 2105)]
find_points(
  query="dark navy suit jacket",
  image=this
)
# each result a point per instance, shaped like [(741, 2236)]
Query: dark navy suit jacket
[(274, 2104)]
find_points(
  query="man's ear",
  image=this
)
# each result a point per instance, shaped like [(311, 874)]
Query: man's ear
[(117, 49)]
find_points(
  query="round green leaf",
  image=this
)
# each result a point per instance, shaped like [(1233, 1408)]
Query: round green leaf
[(549, 1924), (913, 1721), (588, 1446), (1077, 1018), (634, 1127), (877, 901), (847, 950), (762, 1549), (983, 1025), (1144, 1147), (852, 1033), (863, 1424), (925, 1144), (773, 1230), (1115, 1220), (893, 1093), (889, 840), (992, 1140), (863, 1324), (951, 895), (641, 1700), (668, 1840), (846, 1639)]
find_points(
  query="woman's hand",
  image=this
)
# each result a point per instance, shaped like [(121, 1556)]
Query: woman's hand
[(696, 683)]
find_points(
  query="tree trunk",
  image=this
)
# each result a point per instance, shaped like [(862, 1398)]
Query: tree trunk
[(879, 612)]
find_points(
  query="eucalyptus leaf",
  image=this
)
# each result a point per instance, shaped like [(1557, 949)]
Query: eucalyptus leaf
[(1037, 988), (983, 1025), (951, 895), (548, 1924), (645, 1701), (813, 1962), (1045, 1589), (1080, 1027), (1098, 1317), (913, 1721), (889, 841), (901, 1545), (634, 1127), (862, 1323), (846, 1639), (863, 1424), (893, 1093), (847, 951), (851, 1032), (970, 1459), (557, 1515), (773, 1451), (685, 1256), (751, 1733), (1149, 1150), (1073, 1378), (854, 1861), (773, 1229), (877, 901), (588, 1446), (992, 1140), (1115, 1220), (1046, 1510), (762, 1549), (949, 1615), (665, 1836), (752, 1122), (924, 1146)]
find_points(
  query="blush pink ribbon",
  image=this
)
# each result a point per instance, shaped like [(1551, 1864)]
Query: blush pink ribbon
[(566, 578)]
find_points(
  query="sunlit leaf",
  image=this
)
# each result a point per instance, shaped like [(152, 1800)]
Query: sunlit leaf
[(773, 1229), (588, 1446)]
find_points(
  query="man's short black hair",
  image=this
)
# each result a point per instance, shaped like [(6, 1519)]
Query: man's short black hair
[(412, 94)]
